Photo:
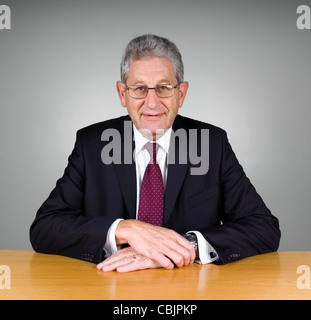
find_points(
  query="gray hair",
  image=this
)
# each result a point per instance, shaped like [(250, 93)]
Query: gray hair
[(150, 45)]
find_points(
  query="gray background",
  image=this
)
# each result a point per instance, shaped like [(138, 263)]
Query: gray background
[(247, 64)]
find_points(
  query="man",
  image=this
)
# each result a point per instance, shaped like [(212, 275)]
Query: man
[(101, 210)]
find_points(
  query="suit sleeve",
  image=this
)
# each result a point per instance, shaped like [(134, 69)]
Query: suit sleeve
[(247, 226), (60, 226)]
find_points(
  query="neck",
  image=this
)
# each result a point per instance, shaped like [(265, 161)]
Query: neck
[(152, 136)]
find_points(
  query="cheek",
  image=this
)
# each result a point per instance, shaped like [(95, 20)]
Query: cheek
[(174, 107), (134, 108)]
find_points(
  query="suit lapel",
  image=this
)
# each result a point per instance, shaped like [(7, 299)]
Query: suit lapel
[(177, 167), (126, 171)]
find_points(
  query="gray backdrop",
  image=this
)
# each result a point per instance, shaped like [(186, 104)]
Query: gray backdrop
[(249, 70)]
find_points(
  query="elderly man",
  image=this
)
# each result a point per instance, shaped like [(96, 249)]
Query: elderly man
[(152, 212)]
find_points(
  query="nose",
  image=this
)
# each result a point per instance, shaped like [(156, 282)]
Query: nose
[(152, 100)]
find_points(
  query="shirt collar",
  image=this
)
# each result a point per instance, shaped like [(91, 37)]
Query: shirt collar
[(140, 140)]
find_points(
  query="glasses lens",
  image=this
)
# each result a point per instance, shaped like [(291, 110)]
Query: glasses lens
[(164, 91), (139, 92)]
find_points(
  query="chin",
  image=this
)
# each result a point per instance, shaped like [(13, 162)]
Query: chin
[(156, 127)]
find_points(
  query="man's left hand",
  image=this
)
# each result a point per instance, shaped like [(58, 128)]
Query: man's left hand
[(127, 259)]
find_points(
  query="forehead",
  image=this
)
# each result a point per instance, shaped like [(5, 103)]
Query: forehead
[(154, 69)]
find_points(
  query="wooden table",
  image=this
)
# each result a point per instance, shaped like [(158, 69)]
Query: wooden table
[(267, 276)]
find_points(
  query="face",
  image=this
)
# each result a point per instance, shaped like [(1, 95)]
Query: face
[(152, 113)]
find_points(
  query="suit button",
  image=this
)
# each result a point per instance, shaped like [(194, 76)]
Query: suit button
[(87, 256), (234, 257)]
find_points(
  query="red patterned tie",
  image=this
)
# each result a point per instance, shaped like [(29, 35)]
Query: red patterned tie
[(151, 195)]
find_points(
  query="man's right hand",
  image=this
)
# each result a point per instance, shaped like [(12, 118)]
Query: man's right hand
[(165, 246)]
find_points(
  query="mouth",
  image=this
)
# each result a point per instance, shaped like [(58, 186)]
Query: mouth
[(149, 116)]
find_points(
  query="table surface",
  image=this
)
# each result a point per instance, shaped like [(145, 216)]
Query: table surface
[(267, 276)]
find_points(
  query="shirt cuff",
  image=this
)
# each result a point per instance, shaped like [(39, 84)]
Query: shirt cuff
[(207, 253), (110, 246)]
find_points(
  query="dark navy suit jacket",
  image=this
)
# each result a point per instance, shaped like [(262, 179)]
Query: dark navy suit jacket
[(222, 204)]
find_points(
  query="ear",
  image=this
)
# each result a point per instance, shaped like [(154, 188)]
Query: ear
[(121, 92), (183, 88)]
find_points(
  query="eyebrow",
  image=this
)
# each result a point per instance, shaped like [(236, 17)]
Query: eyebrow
[(163, 81)]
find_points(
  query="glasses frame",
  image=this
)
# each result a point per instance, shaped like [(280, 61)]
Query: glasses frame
[(155, 89)]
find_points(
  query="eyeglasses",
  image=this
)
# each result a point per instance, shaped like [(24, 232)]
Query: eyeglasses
[(161, 90)]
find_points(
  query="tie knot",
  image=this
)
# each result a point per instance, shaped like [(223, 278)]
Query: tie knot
[(152, 149)]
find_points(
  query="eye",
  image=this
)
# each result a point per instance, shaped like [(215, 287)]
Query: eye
[(140, 89), (164, 88)]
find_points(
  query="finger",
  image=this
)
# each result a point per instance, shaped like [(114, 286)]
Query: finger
[(108, 261), (114, 258), (116, 263), (179, 255), (117, 258), (190, 252), (140, 263), (179, 250), (169, 254), (163, 260)]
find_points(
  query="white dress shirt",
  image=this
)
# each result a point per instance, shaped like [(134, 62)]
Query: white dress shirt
[(206, 252)]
